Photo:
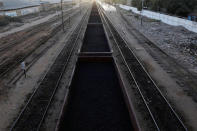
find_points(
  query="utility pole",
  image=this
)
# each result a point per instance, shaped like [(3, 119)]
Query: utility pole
[(62, 16), (159, 5), (80, 6), (69, 18), (40, 8), (142, 11)]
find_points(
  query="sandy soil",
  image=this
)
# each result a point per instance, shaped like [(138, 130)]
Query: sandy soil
[(174, 93)]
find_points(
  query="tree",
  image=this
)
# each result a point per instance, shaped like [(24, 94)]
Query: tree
[(175, 7), (181, 7), (137, 3)]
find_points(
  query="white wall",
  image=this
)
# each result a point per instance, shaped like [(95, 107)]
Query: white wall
[(171, 20), (29, 10), (107, 7), (24, 11), (11, 13)]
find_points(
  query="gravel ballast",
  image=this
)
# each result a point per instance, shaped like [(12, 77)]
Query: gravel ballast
[(176, 41)]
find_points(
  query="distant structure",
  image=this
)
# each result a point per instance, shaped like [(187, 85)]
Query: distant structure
[(18, 8), (192, 16), (44, 5), (1, 7), (129, 2), (1, 4)]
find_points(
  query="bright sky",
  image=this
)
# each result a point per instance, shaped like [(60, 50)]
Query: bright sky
[(35, 0)]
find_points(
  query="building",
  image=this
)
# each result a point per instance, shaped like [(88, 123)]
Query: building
[(129, 2), (17, 7), (1, 4), (192, 16), (44, 6)]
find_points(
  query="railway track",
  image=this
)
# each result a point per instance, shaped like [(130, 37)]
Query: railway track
[(38, 53), (95, 100), (183, 75), (8, 43), (161, 112), (33, 114), (7, 66)]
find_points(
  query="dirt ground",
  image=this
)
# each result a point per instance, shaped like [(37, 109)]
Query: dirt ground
[(176, 95), (25, 42), (15, 95), (27, 19)]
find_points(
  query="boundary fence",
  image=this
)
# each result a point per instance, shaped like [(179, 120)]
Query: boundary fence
[(171, 20)]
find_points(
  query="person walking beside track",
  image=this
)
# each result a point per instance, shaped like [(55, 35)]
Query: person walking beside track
[(23, 67)]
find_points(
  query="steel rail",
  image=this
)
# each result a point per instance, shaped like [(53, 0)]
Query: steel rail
[(20, 74), (6, 70), (109, 23), (32, 30), (73, 44), (149, 45)]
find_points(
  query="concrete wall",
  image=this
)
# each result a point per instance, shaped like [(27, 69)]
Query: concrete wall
[(26, 11), (10, 13), (19, 12), (107, 7), (171, 20)]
